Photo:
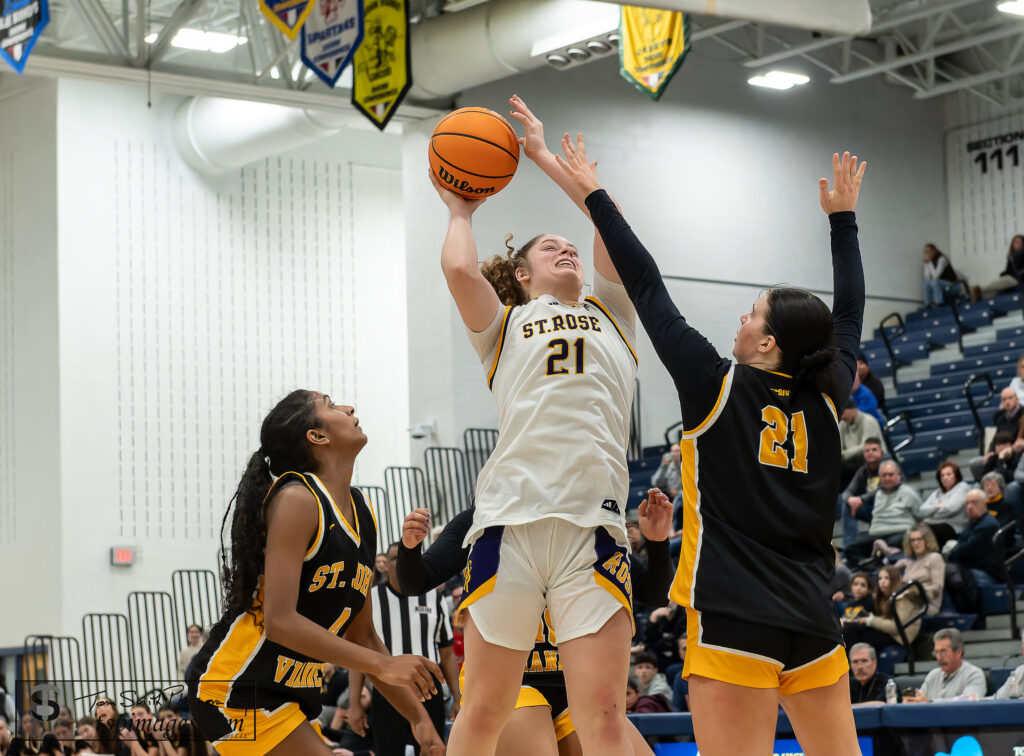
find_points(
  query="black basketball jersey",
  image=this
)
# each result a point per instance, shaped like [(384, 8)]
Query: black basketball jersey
[(543, 667), (239, 668), (760, 479)]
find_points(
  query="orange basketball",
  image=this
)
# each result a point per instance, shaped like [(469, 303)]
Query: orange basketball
[(474, 152)]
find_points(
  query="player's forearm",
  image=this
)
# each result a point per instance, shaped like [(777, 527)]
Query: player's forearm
[(306, 637), (459, 252), (450, 668)]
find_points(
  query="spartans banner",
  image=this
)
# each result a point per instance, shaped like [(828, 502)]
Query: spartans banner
[(652, 46), (21, 23), (287, 15), (382, 73), (330, 37)]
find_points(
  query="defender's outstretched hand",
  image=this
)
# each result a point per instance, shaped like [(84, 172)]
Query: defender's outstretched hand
[(846, 178), (655, 515), (533, 143), (581, 174)]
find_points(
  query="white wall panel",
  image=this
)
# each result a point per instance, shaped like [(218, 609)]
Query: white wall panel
[(8, 471)]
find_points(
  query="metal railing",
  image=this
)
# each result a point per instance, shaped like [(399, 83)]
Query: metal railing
[(446, 469), (196, 598), (478, 444), (407, 490), (156, 639), (901, 329), (891, 423), (901, 626), (377, 500), (669, 440), (107, 658), (1004, 542), (56, 659), (975, 377)]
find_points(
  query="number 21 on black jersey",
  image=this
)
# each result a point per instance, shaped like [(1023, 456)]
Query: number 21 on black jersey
[(773, 438)]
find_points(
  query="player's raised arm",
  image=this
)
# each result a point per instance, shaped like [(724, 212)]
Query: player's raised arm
[(847, 269), (474, 296)]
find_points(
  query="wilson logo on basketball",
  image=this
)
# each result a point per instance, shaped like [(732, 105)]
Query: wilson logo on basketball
[(463, 186)]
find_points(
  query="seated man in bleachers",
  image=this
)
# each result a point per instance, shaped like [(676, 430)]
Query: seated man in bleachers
[(856, 500), (870, 381), (1004, 457), (1014, 685), (895, 510), (668, 477), (1007, 418), (954, 677), (855, 428), (867, 684), (971, 560), (998, 498)]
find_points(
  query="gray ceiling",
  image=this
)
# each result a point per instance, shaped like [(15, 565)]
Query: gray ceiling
[(930, 47)]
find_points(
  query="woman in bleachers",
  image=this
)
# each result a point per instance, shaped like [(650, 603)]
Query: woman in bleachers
[(1017, 383), (1011, 274), (879, 628), (924, 564), (999, 506), (943, 510), (939, 277)]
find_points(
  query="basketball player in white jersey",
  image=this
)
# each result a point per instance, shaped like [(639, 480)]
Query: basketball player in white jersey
[(548, 528)]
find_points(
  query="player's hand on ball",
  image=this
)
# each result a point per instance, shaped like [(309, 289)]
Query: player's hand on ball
[(533, 142), (655, 515), (456, 203), (415, 672), (582, 174), (846, 178), (415, 528)]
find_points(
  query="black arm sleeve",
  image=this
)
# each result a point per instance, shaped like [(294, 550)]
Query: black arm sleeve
[(651, 582), (419, 572), (848, 299), (695, 366)]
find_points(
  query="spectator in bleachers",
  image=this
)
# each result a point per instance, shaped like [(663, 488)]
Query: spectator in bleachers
[(1014, 685), (1017, 382), (924, 564), (632, 693), (1011, 275), (1009, 419), (865, 400), (85, 734), (867, 684), (870, 381), (999, 505), (894, 511), (194, 642), (652, 684), (954, 677), (664, 626), (674, 675), (943, 510), (939, 277), (637, 543), (971, 560), (333, 699), (380, 569), (839, 589), (861, 602), (879, 628), (1003, 459), (141, 728), (855, 428), (29, 739), (668, 477), (856, 500), (5, 734)]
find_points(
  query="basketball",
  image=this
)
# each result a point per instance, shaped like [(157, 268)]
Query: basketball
[(474, 152)]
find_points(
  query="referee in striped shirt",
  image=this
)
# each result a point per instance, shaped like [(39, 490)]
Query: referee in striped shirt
[(408, 625)]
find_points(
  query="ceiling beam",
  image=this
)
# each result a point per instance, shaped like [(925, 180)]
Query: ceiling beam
[(102, 27), (1002, 32), (181, 16), (883, 24), (969, 81)]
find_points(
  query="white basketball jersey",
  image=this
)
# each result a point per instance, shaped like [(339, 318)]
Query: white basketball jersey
[(562, 377)]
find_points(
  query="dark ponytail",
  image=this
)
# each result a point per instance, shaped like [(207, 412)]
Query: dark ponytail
[(802, 326), (284, 448)]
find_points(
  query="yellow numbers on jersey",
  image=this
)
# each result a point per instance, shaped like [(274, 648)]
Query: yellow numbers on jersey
[(773, 439), (560, 347)]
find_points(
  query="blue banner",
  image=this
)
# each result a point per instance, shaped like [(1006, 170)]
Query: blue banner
[(21, 23), (330, 37), (782, 748)]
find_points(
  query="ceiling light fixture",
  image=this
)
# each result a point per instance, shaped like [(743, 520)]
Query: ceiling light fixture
[(202, 41), (1015, 7), (780, 80)]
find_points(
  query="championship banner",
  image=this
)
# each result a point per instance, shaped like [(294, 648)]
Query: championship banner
[(652, 46), (382, 68), (287, 15), (21, 23), (330, 37)]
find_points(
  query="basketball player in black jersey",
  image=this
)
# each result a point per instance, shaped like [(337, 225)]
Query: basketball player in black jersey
[(760, 470), (303, 544)]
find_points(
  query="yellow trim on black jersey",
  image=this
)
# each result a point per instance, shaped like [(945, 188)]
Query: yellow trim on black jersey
[(501, 344), (318, 540), (594, 301), (776, 372), (682, 585), (241, 644), (352, 531), (831, 406), (723, 395)]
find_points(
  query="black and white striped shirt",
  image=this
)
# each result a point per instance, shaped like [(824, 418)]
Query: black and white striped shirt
[(412, 624)]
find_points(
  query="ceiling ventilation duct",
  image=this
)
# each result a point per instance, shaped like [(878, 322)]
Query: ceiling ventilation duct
[(457, 51)]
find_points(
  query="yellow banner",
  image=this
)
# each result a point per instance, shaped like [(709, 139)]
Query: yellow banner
[(652, 45), (381, 70), (287, 15)]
